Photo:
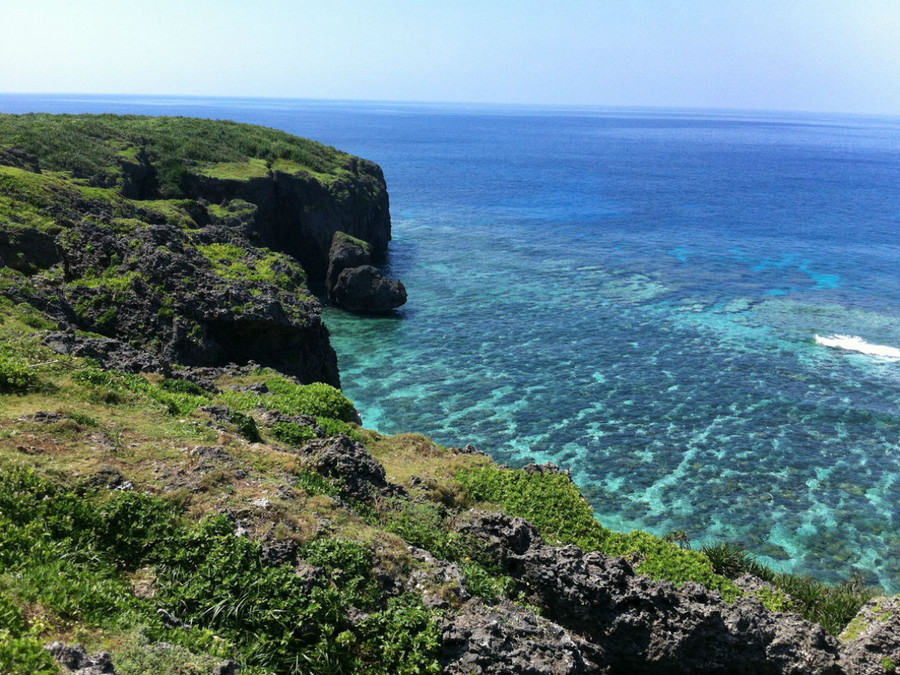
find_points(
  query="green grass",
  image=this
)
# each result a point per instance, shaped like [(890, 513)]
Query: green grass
[(90, 147), (68, 551), (240, 264), (833, 607)]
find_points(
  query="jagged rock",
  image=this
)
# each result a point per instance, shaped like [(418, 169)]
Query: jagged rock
[(548, 468), (171, 301), (439, 583), (43, 417), (109, 479), (503, 536), (635, 625), (360, 475), (507, 639), (871, 641), (270, 418), (75, 658), (299, 215), (111, 353), (354, 284), (28, 250), (140, 179), (283, 552), (468, 449)]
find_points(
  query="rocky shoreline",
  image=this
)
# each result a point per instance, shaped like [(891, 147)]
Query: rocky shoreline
[(157, 299)]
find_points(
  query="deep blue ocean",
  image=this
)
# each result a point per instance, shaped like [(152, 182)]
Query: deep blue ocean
[(695, 312)]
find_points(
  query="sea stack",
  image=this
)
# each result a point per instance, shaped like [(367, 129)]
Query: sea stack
[(354, 284)]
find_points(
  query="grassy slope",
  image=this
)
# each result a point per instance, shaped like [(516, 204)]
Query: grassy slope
[(92, 147)]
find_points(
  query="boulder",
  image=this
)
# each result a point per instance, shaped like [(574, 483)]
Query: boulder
[(360, 475), (356, 285), (507, 639)]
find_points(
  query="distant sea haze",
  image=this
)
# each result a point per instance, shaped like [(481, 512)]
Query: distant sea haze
[(697, 313)]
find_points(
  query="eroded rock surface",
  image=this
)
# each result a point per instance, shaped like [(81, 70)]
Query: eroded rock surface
[(354, 284), (361, 476), (872, 640), (632, 624)]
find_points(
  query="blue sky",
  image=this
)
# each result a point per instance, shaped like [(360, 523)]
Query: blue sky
[(829, 55)]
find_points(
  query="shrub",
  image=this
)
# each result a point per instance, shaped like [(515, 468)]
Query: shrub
[(316, 399), (551, 502), (293, 434), (179, 397), (401, 640), (246, 426), (16, 378), (25, 656)]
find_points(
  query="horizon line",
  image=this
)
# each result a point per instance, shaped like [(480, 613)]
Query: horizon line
[(496, 104)]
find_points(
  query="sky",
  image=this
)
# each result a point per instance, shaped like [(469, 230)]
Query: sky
[(808, 55)]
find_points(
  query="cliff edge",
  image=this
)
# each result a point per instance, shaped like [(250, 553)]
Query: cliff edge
[(191, 239)]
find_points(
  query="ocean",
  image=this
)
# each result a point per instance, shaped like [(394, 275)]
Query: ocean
[(697, 313)]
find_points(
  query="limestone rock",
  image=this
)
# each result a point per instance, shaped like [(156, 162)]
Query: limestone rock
[(632, 624), (342, 458), (356, 285), (75, 659), (507, 639), (872, 639)]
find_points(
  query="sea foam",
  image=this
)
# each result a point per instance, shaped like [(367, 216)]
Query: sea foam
[(857, 344)]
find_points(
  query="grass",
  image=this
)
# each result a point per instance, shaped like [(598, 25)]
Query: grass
[(833, 607), (255, 266), (91, 147)]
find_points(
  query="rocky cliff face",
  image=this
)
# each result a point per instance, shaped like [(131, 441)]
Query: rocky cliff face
[(298, 213), (190, 238)]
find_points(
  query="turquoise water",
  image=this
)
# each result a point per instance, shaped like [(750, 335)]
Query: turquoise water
[(635, 295)]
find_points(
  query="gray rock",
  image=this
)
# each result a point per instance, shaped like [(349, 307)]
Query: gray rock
[(507, 639), (360, 475), (75, 658), (871, 641), (635, 625)]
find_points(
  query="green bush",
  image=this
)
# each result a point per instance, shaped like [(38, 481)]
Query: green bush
[(179, 397), (246, 426), (833, 607), (551, 502), (25, 656), (293, 434), (401, 640), (316, 399), (16, 378)]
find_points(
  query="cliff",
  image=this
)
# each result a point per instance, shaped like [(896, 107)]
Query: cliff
[(189, 238), (183, 491)]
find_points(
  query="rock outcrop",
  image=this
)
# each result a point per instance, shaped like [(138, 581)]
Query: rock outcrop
[(872, 639), (632, 624), (299, 213), (354, 284), (195, 252)]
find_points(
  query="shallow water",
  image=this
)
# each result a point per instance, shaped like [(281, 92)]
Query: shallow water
[(636, 296)]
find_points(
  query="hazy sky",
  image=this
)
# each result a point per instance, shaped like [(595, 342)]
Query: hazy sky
[(839, 55)]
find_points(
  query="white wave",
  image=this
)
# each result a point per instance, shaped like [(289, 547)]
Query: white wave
[(857, 344)]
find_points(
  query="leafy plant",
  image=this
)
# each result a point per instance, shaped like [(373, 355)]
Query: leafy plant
[(16, 378)]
